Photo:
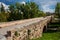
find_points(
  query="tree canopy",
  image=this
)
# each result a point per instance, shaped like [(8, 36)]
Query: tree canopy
[(57, 9), (21, 11)]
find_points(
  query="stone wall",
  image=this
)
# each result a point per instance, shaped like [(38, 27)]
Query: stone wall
[(34, 29)]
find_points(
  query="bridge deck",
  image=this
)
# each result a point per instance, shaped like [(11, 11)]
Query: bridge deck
[(18, 24)]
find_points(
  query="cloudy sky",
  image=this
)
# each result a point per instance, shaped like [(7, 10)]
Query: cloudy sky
[(45, 5)]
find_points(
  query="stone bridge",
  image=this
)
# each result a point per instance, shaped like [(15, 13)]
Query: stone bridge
[(24, 29)]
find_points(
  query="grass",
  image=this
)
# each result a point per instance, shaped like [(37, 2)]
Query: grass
[(51, 35)]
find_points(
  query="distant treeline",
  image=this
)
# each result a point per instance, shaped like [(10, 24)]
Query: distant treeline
[(20, 11)]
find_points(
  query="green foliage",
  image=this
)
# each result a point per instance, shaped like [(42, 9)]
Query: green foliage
[(2, 8), (21, 11), (16, 33), (57, 10), (15, 13), (2, 17), (41, 14), (49, 36), (3, 14)]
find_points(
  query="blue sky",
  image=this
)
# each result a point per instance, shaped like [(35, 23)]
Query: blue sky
[(45, 5)]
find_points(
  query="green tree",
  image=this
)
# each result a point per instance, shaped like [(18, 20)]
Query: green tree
[(24, 11), (15, 12), (57, 10), (19, 12), (3, 14), (11, 13), (2, 8), (33, 10), (3, 17)]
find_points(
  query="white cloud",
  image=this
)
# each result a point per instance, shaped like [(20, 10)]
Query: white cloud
[(47, 9), (46, 4), (23, 2)]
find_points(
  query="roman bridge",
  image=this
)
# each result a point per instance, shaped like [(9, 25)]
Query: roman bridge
[(24, 29)]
